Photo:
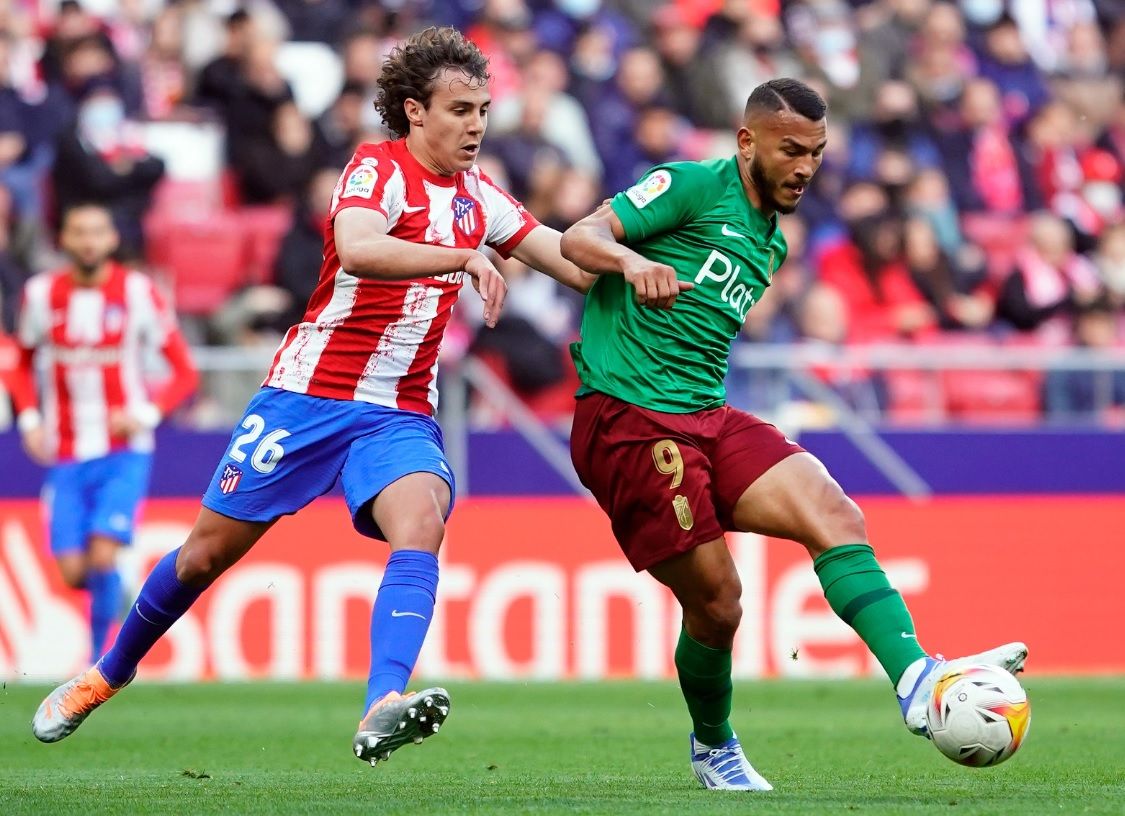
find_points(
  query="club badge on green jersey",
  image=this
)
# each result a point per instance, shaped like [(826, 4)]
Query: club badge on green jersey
[(650, 188)]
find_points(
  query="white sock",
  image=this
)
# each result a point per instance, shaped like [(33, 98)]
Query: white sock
[(910, 677)]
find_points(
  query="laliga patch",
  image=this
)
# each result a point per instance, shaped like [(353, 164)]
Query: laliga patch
[(649, 189), (360, 183)]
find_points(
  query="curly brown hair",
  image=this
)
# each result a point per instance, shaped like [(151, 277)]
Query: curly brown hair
[(412, 66)]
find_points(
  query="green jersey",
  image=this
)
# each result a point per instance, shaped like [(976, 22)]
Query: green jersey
[(693, 216)]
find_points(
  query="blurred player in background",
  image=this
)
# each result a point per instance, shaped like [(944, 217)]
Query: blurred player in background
[(671, 464), (90, 418), (352, 390)]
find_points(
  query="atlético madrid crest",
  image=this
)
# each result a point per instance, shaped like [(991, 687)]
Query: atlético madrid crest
[(465, 214), (230, 479)]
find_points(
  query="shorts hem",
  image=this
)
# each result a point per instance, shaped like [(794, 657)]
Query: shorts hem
[(123, 540), (651, 560), (367, 526), (727, 503), (258, 517)]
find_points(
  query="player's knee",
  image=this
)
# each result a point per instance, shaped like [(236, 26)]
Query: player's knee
[(847, 518), (427, 535), (104, 556), (839, 521), (423, 532), (717, 619), (201, 560)]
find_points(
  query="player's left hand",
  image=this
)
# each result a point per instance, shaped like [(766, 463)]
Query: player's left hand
[(490, 284), (122, 423), (35, 445)]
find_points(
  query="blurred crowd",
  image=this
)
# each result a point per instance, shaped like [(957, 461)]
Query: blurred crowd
[(972, 187)]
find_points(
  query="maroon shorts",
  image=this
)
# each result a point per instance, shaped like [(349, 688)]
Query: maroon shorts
[(669, 482)]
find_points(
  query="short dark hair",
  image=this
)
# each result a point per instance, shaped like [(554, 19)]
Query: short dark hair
[(75, 206), (412, 66), (786, 93)]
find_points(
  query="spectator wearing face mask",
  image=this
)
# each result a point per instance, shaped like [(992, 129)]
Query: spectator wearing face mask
[(100, 158)]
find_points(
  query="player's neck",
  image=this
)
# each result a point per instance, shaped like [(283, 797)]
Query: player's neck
[(751, 191), (417, 150), (92, 278)]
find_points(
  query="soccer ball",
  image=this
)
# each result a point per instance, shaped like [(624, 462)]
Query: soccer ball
[(978, 715)]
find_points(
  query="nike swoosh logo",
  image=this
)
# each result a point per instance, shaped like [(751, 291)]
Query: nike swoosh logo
[(412, 209), (396, 614), (727, 231), (908, 635)]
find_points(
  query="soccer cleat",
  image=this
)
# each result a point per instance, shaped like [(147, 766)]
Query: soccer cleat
[(398, 719), (725, 767), (1010, 657), (66, 707)]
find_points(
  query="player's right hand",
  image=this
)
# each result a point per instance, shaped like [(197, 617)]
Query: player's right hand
[(489, 284), (655, 284), (35, 445)]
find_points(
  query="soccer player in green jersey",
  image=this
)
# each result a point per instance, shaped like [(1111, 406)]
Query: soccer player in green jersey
[(682, 257)]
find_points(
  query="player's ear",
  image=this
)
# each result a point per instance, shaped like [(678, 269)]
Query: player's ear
[(747, 142), (414, 111)]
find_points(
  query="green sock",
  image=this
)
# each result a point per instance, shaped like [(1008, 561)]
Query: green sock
[(858, 591), (705, 681)]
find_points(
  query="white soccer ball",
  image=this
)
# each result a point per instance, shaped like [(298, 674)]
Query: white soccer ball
[(978, 715)]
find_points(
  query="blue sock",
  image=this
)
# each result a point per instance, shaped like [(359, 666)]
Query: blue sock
[(162, 600), (105, 602), (399, 620)]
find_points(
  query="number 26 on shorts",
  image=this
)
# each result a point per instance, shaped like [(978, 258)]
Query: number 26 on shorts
[(268, 451)]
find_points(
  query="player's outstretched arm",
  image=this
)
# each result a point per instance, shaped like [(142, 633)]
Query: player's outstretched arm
[(594, 244), (541, 249), (366, 251)]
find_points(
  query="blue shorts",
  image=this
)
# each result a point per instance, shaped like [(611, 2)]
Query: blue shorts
[(290, 448), (96, 497)]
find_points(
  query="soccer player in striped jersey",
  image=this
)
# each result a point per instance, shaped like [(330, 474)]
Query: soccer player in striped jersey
[(90, 418), (352, 390)]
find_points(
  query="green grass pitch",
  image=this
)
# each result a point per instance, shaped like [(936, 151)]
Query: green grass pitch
[(612, 748)]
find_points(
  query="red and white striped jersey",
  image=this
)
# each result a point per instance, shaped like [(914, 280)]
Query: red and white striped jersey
[(377, 341), (93, 342)]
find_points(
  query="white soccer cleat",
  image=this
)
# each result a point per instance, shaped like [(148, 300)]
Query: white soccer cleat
[(725, 767), (1010, 657), (399, 719), (65, 708)]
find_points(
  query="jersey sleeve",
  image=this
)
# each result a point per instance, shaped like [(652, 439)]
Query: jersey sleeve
[(35, 313), (373, 182), (507, 221), (665, 198)]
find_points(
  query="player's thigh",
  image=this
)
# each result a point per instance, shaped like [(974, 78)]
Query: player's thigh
[(65, 500), (648, 474), (287, 449), (798, 499), (399, 444), (123, 480)]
